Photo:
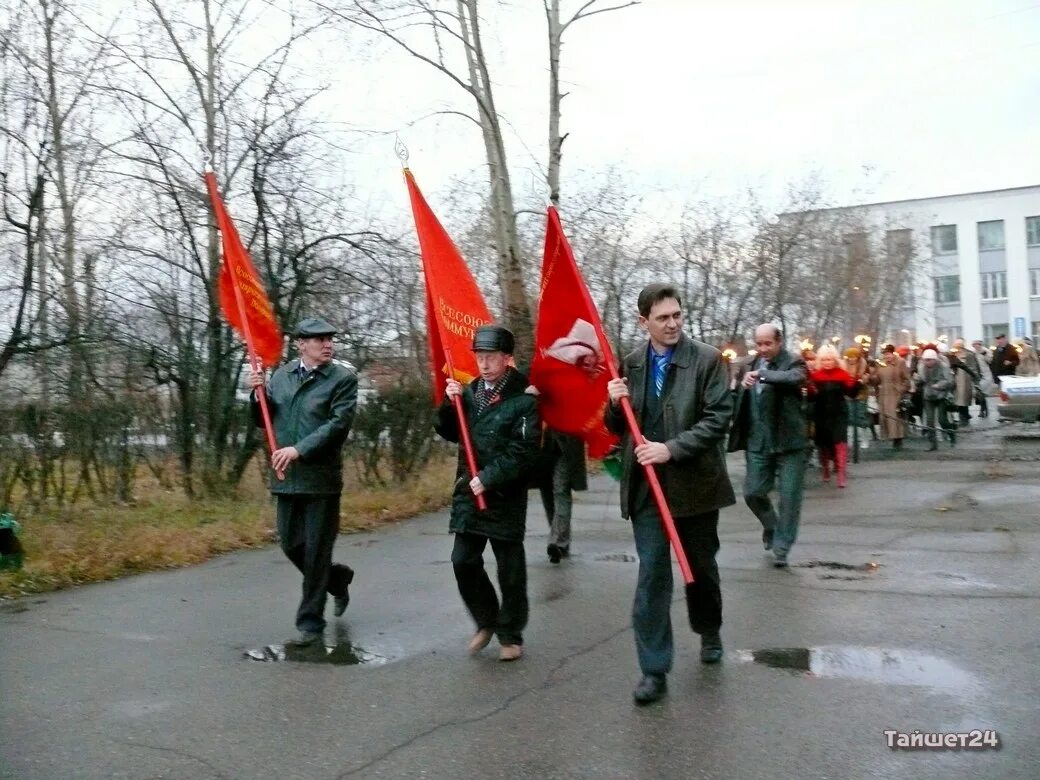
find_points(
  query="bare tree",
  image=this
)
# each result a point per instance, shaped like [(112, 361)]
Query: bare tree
[(451, 28), (556, 29)]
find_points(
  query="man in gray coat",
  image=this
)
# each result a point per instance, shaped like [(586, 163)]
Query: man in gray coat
[(770, 426), (679, 390), (312, 402)]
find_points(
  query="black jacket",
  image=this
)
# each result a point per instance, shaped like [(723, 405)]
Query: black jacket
[(697, 408), (558, 446), (315, 418), (783, 405), (831, 411), (505, 442), (1005, 354)]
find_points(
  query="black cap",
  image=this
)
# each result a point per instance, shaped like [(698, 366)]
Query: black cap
[(493, 338), (313, 326)]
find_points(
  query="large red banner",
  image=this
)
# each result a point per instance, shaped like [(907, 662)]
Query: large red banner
[(569, 367), (254, 318), (455, 307)]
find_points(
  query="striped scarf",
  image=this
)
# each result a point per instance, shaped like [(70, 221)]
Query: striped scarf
[(486, 396)]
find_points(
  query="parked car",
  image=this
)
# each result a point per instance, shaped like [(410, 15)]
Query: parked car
[(1019, 398)]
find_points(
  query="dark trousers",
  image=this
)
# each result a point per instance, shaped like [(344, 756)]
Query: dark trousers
[(651, 608), (307, 526), (558, 502), (467, 558)]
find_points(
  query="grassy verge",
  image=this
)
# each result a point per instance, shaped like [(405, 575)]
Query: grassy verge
[(164, 530)]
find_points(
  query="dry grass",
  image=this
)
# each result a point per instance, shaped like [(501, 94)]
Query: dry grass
[(163, 530)]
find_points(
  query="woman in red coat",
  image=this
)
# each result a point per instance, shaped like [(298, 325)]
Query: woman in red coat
[(829, 386)]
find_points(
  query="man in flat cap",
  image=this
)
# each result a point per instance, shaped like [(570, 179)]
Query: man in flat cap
[(504, 428), (312, 401)]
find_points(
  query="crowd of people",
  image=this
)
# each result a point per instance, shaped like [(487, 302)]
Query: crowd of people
[(929, 386), (691, 403)]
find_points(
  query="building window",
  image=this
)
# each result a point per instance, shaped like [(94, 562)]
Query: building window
[(944, 239), (990, 332), (991, 235), (994, 286), (1036, 333), (1034, 281), (947, 289), (950, 332), (1033, 231)]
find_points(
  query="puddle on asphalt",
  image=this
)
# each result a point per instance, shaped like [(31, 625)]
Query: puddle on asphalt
[(960, 579), (617, 557), (870, 664), (869, 566), (341, 654)]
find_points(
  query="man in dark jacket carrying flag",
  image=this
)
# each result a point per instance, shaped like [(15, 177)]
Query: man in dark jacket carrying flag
[(504, 427), (679, 391), (312, 403)]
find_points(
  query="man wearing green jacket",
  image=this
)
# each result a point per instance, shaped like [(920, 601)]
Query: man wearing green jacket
[(504, 428), (312, 402)]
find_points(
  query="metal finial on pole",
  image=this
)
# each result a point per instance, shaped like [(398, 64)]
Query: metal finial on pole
[(401, 151), (207, 158), (539, 184)]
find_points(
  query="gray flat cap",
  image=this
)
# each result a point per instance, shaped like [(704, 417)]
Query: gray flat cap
[(313, 326)]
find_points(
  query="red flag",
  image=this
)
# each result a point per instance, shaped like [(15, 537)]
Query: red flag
[(569, 367), (253, 316), (454, 306)]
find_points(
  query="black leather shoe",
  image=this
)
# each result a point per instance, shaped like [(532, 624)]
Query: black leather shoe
[(711, 648), (651, 688), (767, 538), (554, 553), (565, 552), (303, 639), (340, 602)]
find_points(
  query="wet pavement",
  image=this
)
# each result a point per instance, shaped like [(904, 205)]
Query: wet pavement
[(911, 604)]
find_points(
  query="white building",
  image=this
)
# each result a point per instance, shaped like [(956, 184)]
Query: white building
[(981, 271)]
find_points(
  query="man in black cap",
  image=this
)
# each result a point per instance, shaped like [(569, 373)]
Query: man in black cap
[(504, 428), (312, 401)]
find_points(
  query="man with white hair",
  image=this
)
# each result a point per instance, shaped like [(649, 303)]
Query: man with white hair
[(936, 382)]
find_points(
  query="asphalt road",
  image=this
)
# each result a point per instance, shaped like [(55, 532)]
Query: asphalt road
[(148, 677)]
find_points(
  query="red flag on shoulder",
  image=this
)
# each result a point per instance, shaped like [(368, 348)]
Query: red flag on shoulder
[(455, 307), (569, 367), (247, 309)]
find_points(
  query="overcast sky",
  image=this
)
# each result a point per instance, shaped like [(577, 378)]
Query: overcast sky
[(938, 96)]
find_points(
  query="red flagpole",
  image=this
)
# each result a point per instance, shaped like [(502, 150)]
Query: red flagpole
[(254, 363), (467, 443), (637, 435)]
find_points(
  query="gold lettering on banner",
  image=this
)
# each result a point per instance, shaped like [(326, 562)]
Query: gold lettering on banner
[(459, 322), (549, 271), (253, 293)]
